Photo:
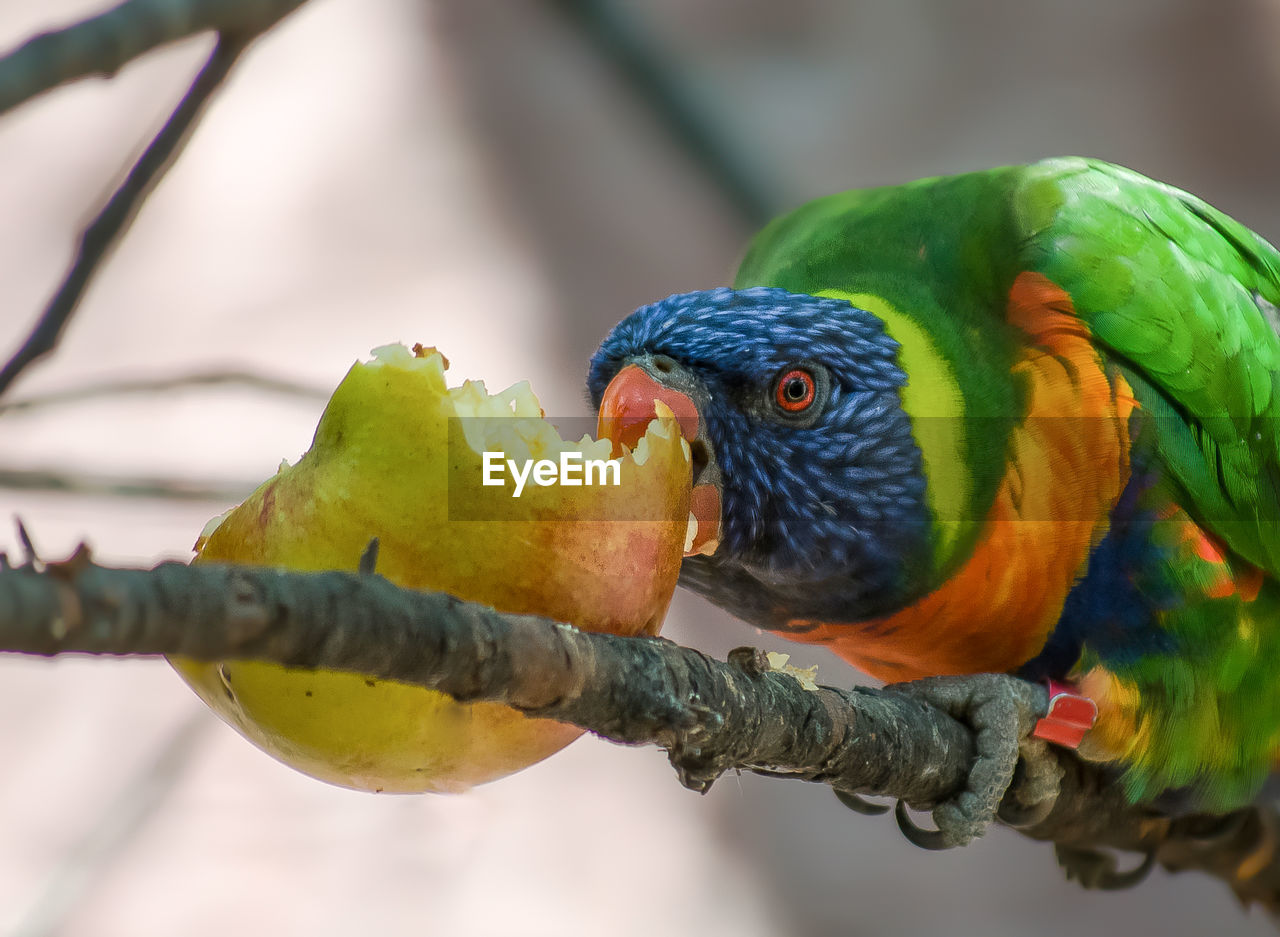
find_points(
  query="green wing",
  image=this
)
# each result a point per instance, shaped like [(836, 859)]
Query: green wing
[(1184, 299)]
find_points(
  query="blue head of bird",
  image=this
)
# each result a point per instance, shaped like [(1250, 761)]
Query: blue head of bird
[(800, 430)]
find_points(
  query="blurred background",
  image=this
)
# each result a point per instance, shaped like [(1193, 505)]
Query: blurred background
[(506, 179)]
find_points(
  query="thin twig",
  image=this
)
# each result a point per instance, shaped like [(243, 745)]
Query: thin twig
[(113, 221), (103, 44), (117, 387), (65, 481), (29, 551), (369, 558), (656, 79)]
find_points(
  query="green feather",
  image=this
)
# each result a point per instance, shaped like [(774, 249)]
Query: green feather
[(1167, 284), (1181, 300)]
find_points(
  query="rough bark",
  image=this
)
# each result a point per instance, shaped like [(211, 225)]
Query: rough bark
[(710, 716)]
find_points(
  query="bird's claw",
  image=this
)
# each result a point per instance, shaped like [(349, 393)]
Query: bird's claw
[(933, 840), (959, 820), (1097, 870), (1002, 711), (1036, 783), (1213, 832), (858, 805)]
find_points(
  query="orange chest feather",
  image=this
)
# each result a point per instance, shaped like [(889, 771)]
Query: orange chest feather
[(1067, 464)]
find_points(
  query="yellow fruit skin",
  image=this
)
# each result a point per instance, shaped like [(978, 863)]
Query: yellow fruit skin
[(384, 464)]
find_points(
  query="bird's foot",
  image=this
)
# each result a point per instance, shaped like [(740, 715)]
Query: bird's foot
[(1003, 712), (1037, 781), (1095, 869)]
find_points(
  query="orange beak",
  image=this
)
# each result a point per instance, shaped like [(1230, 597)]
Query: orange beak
[(626, 409)]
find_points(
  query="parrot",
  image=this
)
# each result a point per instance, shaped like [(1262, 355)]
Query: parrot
[(1017, 421)]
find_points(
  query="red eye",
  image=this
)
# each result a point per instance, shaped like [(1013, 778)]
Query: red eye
[(796, 390)]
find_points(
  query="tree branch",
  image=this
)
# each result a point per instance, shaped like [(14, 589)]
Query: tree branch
[(101, 45), (653, 74), (72, 482), (117, 387), (113, 221), (710, 716)]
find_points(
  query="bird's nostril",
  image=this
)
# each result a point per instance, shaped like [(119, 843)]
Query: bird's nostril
[(663, 365), (698, 458)]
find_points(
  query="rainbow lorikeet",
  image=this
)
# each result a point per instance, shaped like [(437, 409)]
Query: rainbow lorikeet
[(1015, 421)]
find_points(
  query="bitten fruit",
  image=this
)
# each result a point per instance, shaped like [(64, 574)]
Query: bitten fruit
[(399, 456)]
